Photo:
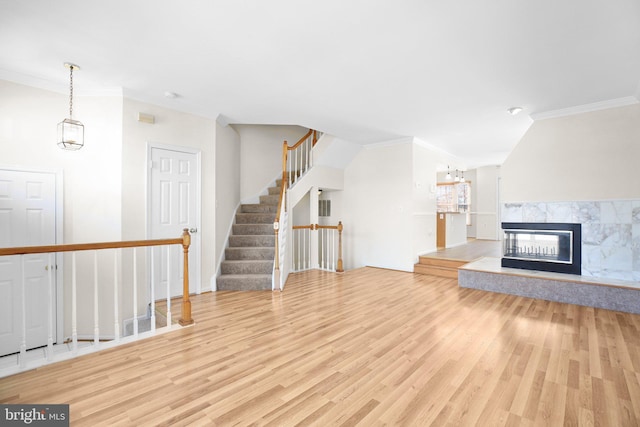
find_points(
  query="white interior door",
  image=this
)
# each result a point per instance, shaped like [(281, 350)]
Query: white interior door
[(27, 218), (174, 206)]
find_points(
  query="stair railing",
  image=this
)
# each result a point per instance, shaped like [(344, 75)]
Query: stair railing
[(329, 241), (51, 266), (296, 161), (299, 157)]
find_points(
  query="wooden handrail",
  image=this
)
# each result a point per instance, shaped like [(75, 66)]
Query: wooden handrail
[(24, 250), (299, 143), (302, 227), (328, 227), (185, 241)]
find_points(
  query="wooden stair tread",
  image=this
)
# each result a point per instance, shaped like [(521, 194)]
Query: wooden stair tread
[(442, 262), (441, 267)]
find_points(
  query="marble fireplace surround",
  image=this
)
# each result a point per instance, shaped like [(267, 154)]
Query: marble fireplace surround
[(610, 232)]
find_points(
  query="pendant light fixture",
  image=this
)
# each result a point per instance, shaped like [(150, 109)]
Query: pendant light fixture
[(70, 132), (462, 176), (457, 176), (448, 177)]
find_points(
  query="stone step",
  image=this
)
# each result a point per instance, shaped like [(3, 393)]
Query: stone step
[(258, 208), (247, 267), (252, 229), (249, 253), (244, 282), (255, 218), (270, 200), (253, 241)]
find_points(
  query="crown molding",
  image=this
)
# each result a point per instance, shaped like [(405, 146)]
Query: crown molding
[(586, 108)]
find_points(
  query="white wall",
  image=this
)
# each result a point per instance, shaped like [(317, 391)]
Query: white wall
[(377, 208), (261, 156), (582, 169), (227, 194), (301, 212), (588, 156), (170, 128), (92, 175), (486, 203), (104, 182), (423, 208)]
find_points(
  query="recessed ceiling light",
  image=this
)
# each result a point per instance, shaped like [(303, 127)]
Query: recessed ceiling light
[(170, 95), (514, 110)]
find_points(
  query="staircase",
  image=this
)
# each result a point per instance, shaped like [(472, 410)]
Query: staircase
[(440, 267), (248, 264)]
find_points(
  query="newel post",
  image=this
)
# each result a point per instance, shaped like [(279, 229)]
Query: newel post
[(276, 267), (186, 303), (340, 269)]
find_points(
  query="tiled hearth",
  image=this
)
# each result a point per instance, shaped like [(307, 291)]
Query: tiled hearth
[(610, 232)]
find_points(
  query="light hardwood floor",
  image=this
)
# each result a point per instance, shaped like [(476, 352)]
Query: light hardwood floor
[(470, 251), (369, 347)]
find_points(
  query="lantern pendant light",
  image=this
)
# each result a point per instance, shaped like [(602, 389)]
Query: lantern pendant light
[(70, 132)]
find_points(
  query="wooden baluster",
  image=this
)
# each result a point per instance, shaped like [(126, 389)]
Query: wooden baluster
[(74, 305), (96, 315), (116, 311), (51, 321), (135, 293), (340, 268), (186, 303)]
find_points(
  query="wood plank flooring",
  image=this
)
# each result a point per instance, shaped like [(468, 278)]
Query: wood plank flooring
[(470, 251), (369, 347)]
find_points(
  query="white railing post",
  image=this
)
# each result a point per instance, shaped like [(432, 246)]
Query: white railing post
[(152, 292), (51, 321), (23, 340), (74, 305), (135, 293), (116, 314), (333, 249), (168, 286), (96, 315)]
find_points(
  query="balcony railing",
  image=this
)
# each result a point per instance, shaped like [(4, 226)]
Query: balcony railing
[(97, 287)]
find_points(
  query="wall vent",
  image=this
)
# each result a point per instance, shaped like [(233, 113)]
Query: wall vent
[(324, 207)]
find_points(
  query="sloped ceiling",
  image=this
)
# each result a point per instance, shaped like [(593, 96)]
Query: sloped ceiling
[(365, 71)]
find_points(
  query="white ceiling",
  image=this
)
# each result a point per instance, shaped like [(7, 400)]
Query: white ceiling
[(366, 71)]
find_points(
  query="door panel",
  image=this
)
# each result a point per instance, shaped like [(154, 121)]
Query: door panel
[(174, 196), (27, 218)]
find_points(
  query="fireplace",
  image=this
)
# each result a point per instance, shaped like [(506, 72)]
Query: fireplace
[(543, 246)]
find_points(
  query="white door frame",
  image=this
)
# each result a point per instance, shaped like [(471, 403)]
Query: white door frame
[(194, 241), (59, 259)]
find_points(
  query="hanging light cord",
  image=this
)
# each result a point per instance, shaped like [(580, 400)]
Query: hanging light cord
[(71, 92)]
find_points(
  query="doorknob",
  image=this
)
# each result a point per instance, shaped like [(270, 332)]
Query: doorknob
[(193, 230)]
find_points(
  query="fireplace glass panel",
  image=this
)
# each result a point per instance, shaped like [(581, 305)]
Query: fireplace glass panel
[(537, 245)]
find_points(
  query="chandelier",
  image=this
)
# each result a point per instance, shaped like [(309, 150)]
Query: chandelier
[(70, 132)]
